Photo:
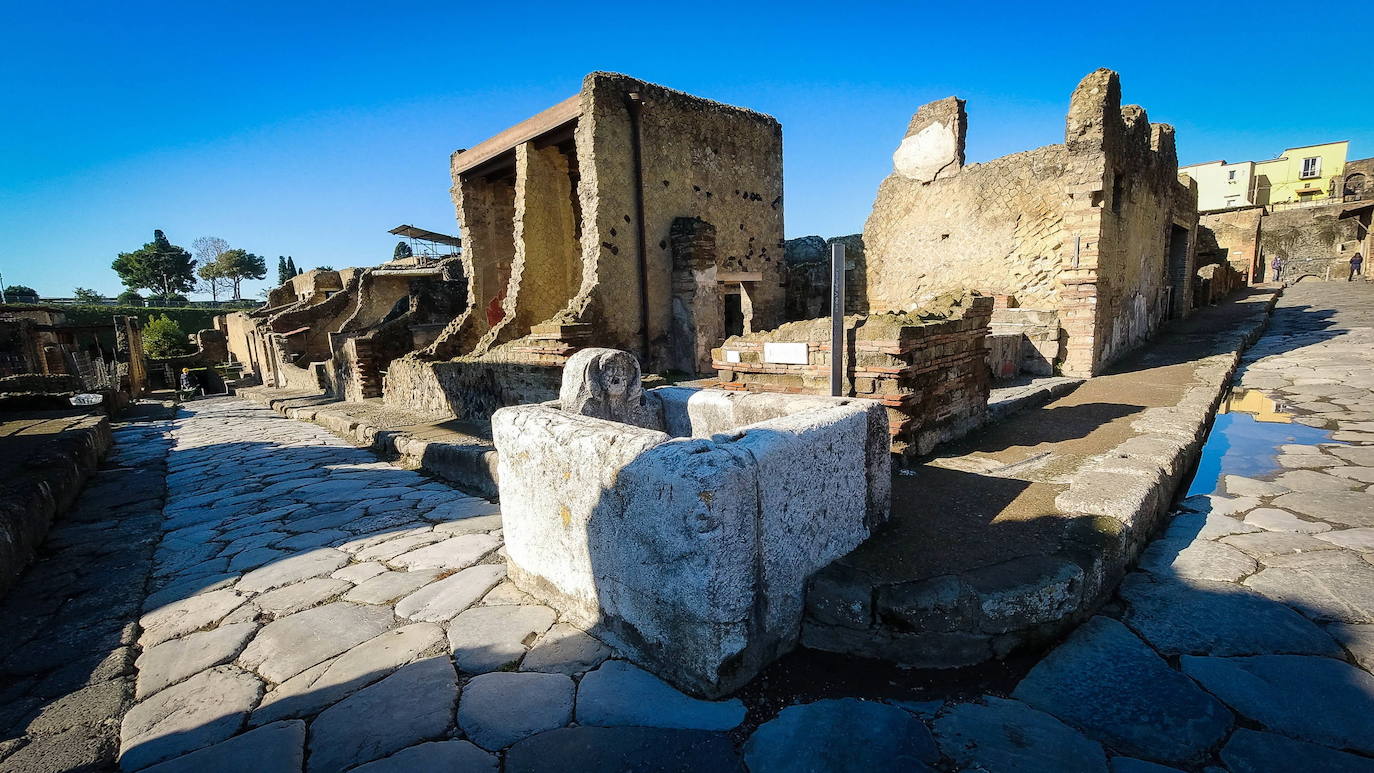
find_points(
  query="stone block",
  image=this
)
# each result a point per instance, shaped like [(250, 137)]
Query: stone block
[(690, 554)]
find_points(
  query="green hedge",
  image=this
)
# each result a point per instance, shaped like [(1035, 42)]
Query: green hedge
[(190, 319)]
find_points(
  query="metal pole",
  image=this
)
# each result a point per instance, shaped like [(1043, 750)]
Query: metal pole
[(2, 289), (837, 357)]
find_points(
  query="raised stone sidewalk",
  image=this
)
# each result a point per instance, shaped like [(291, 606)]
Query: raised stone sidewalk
[(1013, 535), (310, 608), (45, 458)]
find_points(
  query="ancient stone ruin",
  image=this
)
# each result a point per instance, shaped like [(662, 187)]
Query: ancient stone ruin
[(682, 525), (1098, 230), (632, 224), (926, 367), (338, 331), (630, 216)]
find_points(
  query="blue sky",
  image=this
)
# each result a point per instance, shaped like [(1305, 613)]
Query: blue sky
[(309, 129)]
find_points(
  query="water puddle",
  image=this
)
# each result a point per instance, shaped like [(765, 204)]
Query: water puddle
[(1245, 437)]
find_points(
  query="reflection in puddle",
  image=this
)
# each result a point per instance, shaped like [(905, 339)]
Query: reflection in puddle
[(1245, 438)]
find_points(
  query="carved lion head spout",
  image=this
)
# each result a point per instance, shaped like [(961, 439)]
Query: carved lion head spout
[(604, 384)]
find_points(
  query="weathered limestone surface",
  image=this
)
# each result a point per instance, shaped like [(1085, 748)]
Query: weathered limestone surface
[(695, 547), (1059, 228)]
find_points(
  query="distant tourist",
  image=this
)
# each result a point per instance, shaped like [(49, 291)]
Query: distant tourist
[(1277, 265), (1356, 264)]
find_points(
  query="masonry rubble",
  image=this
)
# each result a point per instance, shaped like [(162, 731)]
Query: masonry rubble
[(338, 331), (40, 341), (572, 223)]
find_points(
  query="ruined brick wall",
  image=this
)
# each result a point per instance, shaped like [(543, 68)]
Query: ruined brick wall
[(1098, 229), (1145, 260), (320, 319), (1233, 237), (239, 330), (995, 227), (930, 372), (564, 272)]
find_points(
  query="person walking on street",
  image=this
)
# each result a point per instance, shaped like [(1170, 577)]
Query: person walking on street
[(1356, 264), (1277, 265)]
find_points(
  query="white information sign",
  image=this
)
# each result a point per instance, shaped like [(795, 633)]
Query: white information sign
[(785, 354)]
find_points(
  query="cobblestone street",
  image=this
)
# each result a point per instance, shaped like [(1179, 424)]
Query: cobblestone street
[(288, 602)]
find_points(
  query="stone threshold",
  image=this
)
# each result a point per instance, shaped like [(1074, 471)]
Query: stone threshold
[(459, 452), (1012, 398), (49, 455), (1023, 529)]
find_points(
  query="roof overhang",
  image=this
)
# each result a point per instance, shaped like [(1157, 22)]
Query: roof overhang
[(540, 124)]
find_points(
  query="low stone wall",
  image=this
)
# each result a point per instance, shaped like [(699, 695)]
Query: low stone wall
[(1039, 334), (524, 371), (689, 554), (47, 457), (930, 373), (1214, 283)]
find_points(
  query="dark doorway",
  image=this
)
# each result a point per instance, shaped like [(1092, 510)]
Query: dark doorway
[(1178, 271), (734, 314)]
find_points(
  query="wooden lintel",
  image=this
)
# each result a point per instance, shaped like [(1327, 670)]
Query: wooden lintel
[(732, 277), (541, 123)]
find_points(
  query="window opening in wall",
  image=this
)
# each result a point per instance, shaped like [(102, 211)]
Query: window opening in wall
[(1118, 192), (1231, 175), (1311, 167)]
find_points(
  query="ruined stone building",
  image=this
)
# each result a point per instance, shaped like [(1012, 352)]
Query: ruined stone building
[(1098, 230), (338, 331), (629, 216), (96, 358)]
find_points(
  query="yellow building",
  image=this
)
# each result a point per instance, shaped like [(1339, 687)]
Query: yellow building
[(1299, 174)]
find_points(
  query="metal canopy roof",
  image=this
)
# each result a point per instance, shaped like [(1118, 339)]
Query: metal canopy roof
[(428, 236)]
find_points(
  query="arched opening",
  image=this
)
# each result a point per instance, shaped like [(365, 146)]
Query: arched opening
[(1355, 187)]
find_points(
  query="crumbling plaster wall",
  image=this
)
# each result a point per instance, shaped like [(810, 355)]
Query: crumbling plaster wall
[(1082, 228), (320, 319), (701, 159)]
